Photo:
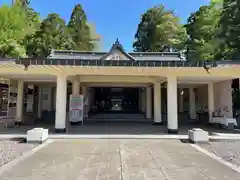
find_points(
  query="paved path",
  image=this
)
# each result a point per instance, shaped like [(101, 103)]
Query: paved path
[(119, 160)]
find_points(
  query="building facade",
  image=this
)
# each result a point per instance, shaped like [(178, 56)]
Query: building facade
[(161, 85)]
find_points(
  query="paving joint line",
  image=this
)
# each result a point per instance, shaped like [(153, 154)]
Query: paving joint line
[(159, 166)]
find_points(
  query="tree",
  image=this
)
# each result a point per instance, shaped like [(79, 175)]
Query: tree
[(12, 31), (202, 29), (159, 30), (23, 3), (53, 34), (96, 38), (80, 30), (230, 29)]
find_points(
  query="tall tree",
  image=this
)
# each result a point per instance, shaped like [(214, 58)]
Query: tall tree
[(80, 30), (96, 38), (53, 34), (202, 29), (12, 31), (159, 30), (230, 29)]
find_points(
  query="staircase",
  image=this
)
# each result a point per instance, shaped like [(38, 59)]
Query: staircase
[(117, 118)]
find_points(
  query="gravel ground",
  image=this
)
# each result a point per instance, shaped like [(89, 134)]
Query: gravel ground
[(228, 150), (12, 149)]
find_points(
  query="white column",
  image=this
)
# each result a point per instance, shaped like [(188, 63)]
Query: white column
[(148, 103), (157, 103), (20, 96), (192, 104), (172, 107), (140, 99), (75, 87), (181, 99), (210, 100), (39, 102), (86, 101), (50, 99), (61, 100), (143, 101)]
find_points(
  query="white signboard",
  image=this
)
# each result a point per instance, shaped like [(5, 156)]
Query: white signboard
[(76, 107)]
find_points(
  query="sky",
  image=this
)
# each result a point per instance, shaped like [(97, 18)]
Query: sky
[(114, 18)]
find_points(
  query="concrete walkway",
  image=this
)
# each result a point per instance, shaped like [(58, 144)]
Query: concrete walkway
[(103, 159)]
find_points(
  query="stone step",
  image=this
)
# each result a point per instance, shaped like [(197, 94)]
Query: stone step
[(117, 116)]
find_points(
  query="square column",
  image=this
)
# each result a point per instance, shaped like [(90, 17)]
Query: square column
[(143, 101), (181, 91), (157, 103), (75, 87), (210, 100), (61, 101), (140, 99), (39, 102), (148, 103), (172, 107), (20, 95), (192, 104)]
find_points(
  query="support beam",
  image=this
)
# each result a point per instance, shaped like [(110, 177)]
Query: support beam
[(192, 104), (143, 101), (148, 103), (172, 105), (210, 100), (140, 99), (39, 102), (20, 95), (157, 104), (60, 121), (181, 95), (75, 87)]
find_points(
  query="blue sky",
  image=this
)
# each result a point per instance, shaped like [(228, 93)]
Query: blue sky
[(114, 18)]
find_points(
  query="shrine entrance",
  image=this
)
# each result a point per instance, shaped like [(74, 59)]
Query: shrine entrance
[(116, 99)]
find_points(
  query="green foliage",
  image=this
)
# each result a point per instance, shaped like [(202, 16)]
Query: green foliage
[(12, 31), (202, 29), (22, 33), (80, 31), (159, 30), (230, 29), (53, 34)]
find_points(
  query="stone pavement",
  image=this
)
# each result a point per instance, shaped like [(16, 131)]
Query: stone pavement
[(102, 159)]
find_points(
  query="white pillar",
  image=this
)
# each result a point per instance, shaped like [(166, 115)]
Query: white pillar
[(192, 104), (39, 102), (181, 95), (157, 103), (86, 101), (61, 100), (140, 99), (172, 107), (148, 103), (210, 100), (20, 95), (75, 87), (143, 101)]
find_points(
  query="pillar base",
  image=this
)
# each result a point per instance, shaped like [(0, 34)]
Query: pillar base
[(157, 123), (172, 131), (18, 123), (60, 130), (76, 123)]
